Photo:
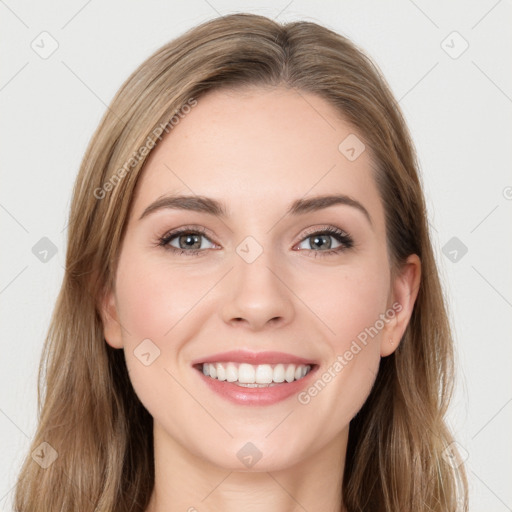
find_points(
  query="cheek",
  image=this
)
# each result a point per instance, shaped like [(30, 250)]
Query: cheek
[(154, 298), (159, 307), (351, 304), (348, 301), (155, 305)]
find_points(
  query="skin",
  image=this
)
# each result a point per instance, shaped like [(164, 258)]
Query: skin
[(257, 150)]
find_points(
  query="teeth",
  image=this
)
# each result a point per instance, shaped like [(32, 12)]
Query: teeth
[(250, 375)]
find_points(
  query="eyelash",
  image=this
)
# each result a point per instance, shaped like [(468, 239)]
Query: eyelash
[(341, 236)]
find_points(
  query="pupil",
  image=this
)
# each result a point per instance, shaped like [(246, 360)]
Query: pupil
[(327, 241), (193, 239)]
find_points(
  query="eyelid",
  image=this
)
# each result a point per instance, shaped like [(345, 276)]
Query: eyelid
[(189, 228), (204, 231), (343, 238), (321, 229), (329, 230)]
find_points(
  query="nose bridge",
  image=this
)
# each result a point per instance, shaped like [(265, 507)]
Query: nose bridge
[(257, 293)]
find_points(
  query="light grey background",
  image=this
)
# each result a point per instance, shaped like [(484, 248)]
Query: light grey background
[(458, 108)]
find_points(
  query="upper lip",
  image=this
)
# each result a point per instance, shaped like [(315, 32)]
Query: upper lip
[(255, 358)]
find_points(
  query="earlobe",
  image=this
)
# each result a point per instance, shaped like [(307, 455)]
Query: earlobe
[(404, 293), (109, 317)]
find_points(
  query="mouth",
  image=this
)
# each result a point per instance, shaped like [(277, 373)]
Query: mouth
[(255, 376), (245, 378)]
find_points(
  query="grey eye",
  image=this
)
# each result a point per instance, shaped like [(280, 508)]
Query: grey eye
[(320, 241), (189, 240)]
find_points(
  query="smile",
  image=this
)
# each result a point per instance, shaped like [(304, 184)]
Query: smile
[(248, 375)]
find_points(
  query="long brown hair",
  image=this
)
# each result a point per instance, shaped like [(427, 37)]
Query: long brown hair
[(88, 412)]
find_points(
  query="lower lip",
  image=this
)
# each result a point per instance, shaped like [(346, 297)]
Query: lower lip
[(256, 396)]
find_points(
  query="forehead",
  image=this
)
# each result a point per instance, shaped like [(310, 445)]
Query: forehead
[(255, 148)]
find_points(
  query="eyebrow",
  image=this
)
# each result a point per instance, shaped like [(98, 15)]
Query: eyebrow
[(213, 207)]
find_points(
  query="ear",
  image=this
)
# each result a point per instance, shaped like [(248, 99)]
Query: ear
[(404, 290), (109, 317)]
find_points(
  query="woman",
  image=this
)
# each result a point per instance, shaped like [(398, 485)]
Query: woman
[(248, 226)]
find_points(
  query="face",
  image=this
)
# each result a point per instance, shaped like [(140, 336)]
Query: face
[(313, 283)]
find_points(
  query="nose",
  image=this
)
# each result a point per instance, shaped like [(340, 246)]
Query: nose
[(257, 294)]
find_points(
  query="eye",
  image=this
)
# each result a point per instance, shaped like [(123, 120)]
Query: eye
[(322, 240), (190, 241), (185, 240)]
